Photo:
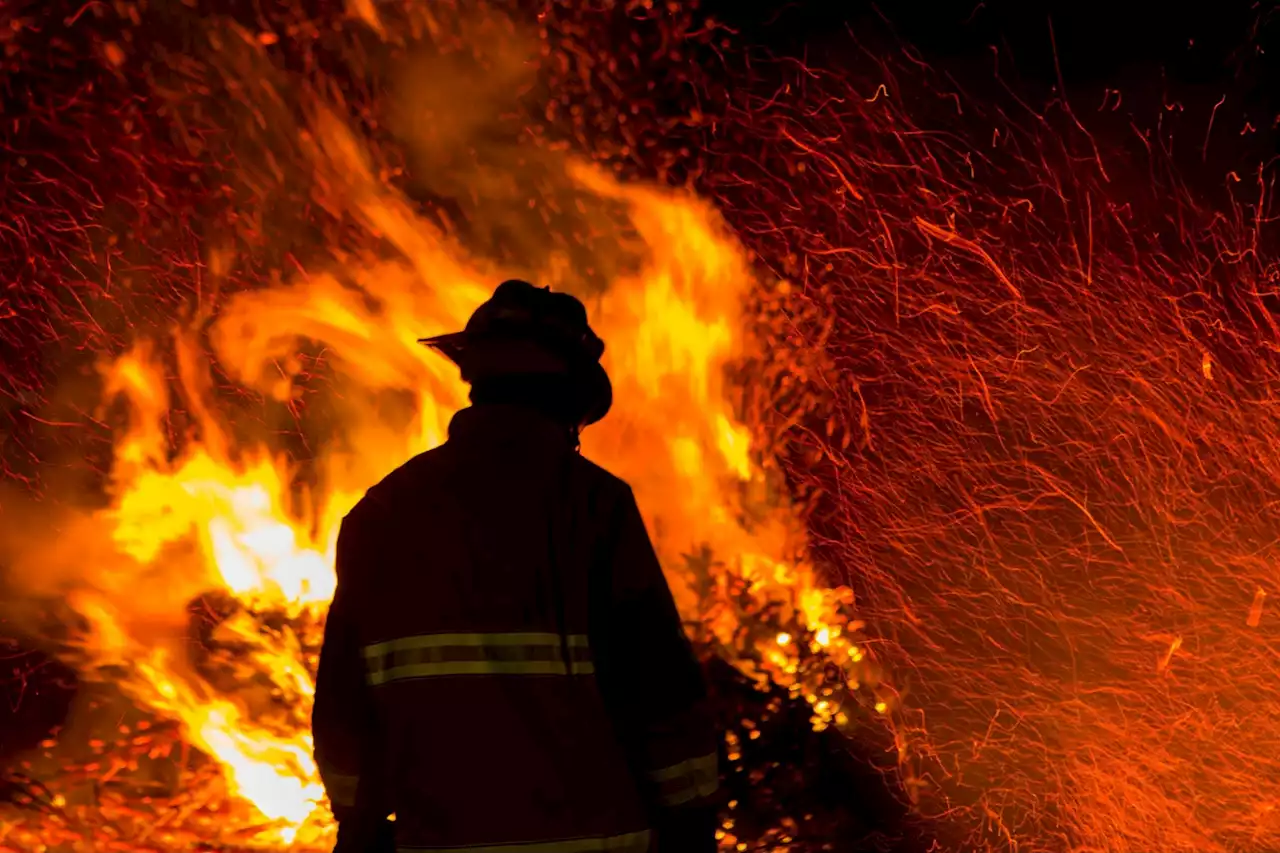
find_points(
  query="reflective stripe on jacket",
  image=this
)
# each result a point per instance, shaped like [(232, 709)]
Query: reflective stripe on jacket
[(503, 666), (437, 655)]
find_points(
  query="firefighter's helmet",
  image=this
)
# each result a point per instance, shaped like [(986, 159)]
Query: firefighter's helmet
[(528, 329)]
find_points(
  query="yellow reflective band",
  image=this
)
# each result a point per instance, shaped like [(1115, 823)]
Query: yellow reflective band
[(632, 842), (340, 787), (688, 780), (506, 639), (478, 667), (433, 655)]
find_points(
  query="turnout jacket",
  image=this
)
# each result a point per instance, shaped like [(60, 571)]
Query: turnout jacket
[(503, 665)]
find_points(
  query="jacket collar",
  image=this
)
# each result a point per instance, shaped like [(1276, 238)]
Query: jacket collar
[(499, 423)]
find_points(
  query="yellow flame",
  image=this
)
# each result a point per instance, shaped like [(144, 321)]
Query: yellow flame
[(228, 516)]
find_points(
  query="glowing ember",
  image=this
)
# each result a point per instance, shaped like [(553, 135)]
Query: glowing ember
[(1051, 459)]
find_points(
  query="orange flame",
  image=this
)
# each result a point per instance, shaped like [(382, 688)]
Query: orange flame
[(228, 516)]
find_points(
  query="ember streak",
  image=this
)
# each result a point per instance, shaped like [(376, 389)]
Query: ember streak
[(1010, 366)]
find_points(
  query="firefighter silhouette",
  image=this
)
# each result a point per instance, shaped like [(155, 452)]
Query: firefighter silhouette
[(503, 667)]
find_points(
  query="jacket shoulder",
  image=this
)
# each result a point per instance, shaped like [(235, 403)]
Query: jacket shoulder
[(601, 481), (421, 470)]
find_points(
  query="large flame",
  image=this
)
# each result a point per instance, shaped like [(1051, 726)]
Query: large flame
[(210, 515)]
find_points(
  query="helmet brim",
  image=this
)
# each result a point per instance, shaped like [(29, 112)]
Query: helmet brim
[(451, 345)]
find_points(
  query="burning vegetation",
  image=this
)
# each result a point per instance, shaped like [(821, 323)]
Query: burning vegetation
[(193, 593), (957, 446)]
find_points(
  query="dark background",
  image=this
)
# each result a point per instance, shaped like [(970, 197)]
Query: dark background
[(1173, 58), (1099, 43)]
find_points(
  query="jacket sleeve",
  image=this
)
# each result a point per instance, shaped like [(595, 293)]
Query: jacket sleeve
[(343, 720), (654, 687)]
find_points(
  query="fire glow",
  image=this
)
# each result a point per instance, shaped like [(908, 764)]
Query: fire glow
[(226, 522), (1045, 463)]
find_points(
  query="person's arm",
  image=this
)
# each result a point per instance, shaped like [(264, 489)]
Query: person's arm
[(655, 690), (343, 719)]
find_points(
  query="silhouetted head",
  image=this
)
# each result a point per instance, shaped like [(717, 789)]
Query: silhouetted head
[(531, 346)]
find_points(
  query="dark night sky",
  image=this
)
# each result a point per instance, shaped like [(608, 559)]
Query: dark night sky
[(1098, 41), (1190, 51)]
